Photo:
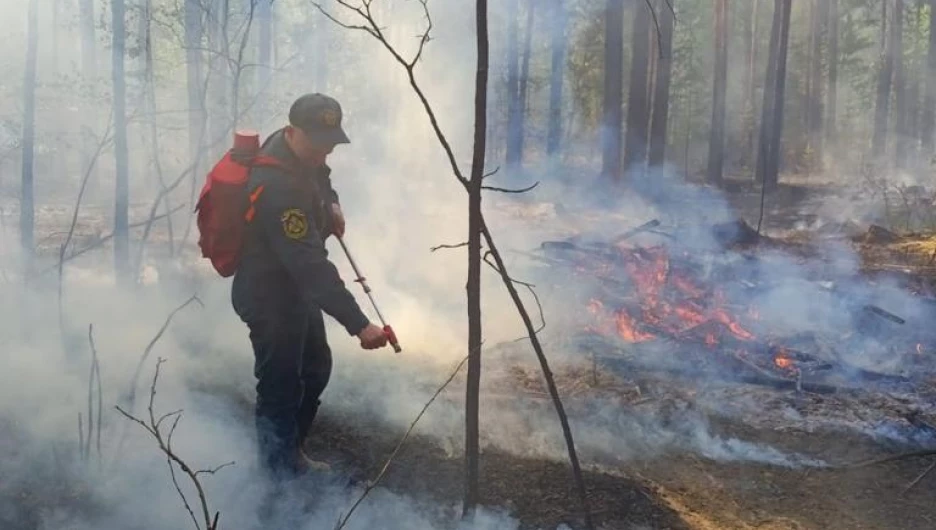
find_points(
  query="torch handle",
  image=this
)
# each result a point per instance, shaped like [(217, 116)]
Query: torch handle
[(388, 331)]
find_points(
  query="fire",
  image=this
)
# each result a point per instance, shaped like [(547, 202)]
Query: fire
[(783, 361), (668, 302)]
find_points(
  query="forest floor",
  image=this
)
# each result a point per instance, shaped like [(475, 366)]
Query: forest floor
[(684, 490)]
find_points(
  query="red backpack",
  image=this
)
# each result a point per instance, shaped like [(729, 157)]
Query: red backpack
[(225, 206)]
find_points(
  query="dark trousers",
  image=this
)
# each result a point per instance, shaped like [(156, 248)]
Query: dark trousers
[(293, 364)]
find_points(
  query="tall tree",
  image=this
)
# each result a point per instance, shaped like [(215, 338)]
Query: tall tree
[(929, 107), (882, 100), (750, 60), (193, 24), (900, 87), (662, 86), (776, 136), (122, 195), (524, 77), (264, 20), (833, 58), (716, 157), (635, 144), (27, 200), (473, 284), (514, 111), (612, 104), (556, 77), (819, 22), (89, 72), (772, 99)]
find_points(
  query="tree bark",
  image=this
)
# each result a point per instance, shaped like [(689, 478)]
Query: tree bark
[(27, 185), (661, 97), (612, 104), (763, 149), (121, 156), (716, 157), (882, 100), (929, 105), (557, 71), (475, 226), (635, 144), (833, 58), (514, 125)]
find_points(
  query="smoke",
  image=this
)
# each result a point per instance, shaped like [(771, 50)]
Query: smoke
[(400, 199)]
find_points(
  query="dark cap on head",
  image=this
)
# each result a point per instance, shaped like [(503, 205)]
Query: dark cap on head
[(319, 116)]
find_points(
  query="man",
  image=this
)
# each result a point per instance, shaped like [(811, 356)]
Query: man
[(285, 281)]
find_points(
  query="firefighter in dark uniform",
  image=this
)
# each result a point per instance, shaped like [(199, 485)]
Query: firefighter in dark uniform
[(285, 282)]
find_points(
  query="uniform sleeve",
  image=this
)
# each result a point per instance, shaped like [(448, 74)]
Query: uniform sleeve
[(288, 223)]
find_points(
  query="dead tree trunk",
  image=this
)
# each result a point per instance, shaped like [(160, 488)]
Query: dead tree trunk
[(122, 195), (612, 104), (557, 70), (473, 287), (514, 126), (661, 96), (716, 157), (833, 58), (929, 105), (27, 186), (882, 100), (635, 144)]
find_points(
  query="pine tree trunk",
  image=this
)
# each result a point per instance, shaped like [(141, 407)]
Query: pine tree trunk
[(929, 105), (770, 87), (833, 58), (524, 78), (27, 185), (882, 100), (773, 166), (900, 87), (750, 39), (636, 136), (820, 18), (557, 70), (662, 93), (121, 156), (613, 94), (716, 157), (514, 126)]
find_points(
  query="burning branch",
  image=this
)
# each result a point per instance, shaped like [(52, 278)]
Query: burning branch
[(165, 445), (476, 227)]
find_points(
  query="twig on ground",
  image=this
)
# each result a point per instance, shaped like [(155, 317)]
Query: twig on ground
[(165, 445), (372, 484), (919, 478)]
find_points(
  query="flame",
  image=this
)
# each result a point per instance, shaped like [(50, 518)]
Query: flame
[(782, 361), (919, 348), (668, 300)]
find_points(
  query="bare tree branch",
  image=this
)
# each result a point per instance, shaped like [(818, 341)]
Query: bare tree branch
[(458, 245), (511, 190)]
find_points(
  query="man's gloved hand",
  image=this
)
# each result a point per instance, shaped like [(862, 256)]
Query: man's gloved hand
[(372, 337), (338, 221)]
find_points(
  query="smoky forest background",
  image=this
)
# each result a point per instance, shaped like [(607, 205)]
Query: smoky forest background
[(664, 179)]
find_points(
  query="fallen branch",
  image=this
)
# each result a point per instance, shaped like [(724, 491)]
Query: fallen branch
[(372, 484), (165, 445)]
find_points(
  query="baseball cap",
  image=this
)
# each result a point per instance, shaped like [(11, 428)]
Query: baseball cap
[(319, 116)]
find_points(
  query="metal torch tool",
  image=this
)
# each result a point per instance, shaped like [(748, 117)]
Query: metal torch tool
[(388, 331)]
